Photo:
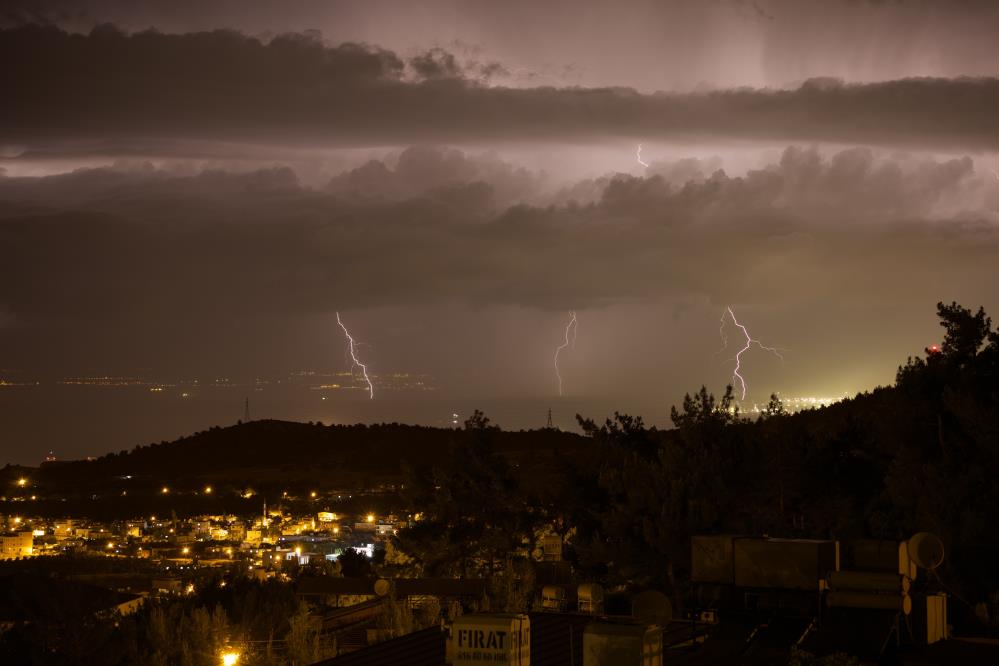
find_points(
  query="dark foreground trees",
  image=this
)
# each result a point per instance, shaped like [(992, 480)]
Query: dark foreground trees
[(263, 620), (472, 511), (921, 455)]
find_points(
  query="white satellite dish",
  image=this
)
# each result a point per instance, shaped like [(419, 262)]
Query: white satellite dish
[(653, 607), (926, 550)]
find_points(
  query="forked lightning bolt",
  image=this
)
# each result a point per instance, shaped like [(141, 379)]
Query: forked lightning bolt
[(353, 358), (750, 341), (571, 326), (638, 156)]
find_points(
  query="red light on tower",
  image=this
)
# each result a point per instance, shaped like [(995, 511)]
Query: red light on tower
[(933, 349)]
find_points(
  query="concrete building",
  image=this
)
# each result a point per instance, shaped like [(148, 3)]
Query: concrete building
[(16, 544)]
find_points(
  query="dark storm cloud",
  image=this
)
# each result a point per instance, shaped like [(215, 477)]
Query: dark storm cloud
[(226, 86), (646, 44), (425, 169), (146, 244)]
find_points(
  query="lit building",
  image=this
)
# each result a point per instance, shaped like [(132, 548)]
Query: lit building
[(16, 544)]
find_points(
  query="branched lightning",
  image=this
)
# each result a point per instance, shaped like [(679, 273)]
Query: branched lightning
[(638, 156), (750, 341), (351, 347), (573, 326)]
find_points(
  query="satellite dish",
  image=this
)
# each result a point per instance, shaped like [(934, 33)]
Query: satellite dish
[(926, 550), (653, 607)]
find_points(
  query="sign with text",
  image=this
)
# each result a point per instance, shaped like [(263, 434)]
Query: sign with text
[(490, 639)]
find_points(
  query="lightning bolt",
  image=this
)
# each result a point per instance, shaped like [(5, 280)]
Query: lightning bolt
[(638, 156), (573, 325), (750, 341), (353, 358)]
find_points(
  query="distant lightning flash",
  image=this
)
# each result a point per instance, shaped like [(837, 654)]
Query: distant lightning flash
[(721, 332), (750, 341), (638, 156), (354, 359), (573, 325)]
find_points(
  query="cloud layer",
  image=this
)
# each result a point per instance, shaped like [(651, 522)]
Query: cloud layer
[(224, 85), (646, 44), (127, 243)]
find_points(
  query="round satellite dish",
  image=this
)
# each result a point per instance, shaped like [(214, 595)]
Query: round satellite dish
[(926, 550), (653, 607), (382, 587)]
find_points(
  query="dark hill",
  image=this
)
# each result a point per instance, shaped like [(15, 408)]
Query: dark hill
[(285, 450)]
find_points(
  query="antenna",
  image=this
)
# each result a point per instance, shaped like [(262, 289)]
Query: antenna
[(246, 410), (549, 426)]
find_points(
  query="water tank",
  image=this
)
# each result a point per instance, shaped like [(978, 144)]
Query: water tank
[(712, 558), (622, 643), (869, 581), (848, 599), (879, 555), (590, 597), (553, 598), (551, 548), (790, 564)]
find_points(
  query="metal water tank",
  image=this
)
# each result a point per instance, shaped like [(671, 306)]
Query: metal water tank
[(590, 598), (553, 598)]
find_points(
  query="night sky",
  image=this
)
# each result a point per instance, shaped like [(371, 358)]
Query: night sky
[(193, 190)]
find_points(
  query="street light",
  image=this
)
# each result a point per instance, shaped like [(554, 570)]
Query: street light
[(230, 658)]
